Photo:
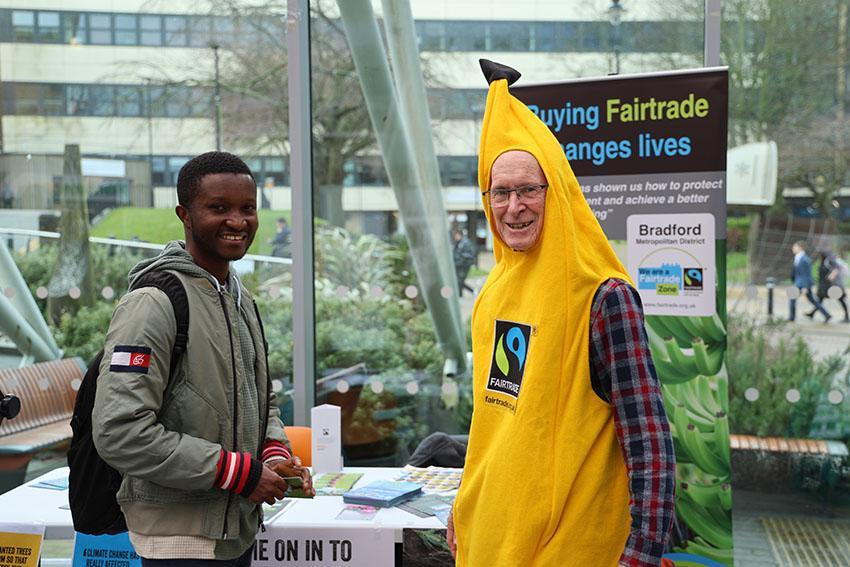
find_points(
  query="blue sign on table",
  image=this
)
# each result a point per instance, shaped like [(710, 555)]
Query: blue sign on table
[(104, 551)]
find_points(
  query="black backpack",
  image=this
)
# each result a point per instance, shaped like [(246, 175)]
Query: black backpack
[(93, 484)]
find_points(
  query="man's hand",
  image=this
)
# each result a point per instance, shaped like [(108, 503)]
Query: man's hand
[(451, 538), (293, 467), (270, 488)]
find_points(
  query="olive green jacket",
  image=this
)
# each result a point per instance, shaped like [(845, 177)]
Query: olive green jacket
[(165, 436)]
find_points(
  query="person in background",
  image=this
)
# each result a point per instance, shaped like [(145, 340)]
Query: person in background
[(202, 449), (282, 241), (832, 273), (464, 259), (801, 278), (570, 458)]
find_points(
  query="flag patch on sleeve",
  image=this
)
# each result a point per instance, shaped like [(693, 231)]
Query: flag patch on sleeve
[(127, 358)]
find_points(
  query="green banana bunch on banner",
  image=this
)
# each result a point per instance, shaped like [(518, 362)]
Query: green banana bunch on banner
[(689, 354)]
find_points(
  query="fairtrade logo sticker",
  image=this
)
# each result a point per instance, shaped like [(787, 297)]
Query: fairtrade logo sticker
[(510, 352)]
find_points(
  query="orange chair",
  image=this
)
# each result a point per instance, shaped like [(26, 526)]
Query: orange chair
[(301, 440)]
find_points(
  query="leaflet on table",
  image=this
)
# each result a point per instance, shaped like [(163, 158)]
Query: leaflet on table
[(427, 505), (382, 493), (52, 483), (335, 484), (432, 479)]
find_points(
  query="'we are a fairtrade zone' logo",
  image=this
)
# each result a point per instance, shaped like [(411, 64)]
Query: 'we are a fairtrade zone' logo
[(510, 351)]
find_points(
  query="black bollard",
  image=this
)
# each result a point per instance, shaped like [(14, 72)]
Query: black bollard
[(771, 283)]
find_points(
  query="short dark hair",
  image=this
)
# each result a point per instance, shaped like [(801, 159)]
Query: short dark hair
[(209, 163)]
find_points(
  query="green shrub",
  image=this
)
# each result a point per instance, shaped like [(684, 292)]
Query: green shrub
[(773, 360), (82, 334), (109, 270), (737, 233)]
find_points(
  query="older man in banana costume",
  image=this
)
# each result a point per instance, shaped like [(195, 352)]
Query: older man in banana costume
[(570, 459)]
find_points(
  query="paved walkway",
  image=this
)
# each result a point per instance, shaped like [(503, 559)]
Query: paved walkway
[(822, 337)]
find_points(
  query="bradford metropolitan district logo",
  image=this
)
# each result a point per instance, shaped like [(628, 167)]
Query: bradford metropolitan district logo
[(510, 351)]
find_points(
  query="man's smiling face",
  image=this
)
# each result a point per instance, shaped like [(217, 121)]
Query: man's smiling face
[(221, 221), (518, 223)]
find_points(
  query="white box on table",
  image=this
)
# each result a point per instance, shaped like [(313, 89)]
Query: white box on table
[(326, 424)]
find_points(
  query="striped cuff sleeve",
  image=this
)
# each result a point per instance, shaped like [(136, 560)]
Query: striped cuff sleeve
[(274, 450), (237, 472)]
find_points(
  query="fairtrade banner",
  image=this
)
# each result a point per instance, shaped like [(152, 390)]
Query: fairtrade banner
[(649, 152)]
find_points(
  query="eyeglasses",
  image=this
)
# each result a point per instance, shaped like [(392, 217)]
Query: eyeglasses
[(527, 194)]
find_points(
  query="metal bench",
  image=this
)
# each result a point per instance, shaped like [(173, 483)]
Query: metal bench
[(779, 464), (47, 391)]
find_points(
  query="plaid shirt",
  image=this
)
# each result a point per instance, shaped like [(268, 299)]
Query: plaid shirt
[(622, 373)]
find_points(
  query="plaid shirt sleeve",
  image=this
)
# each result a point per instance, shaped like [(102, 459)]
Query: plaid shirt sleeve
[(623, 374)]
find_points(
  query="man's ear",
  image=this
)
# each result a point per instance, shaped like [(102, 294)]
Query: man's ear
[(183, 214)]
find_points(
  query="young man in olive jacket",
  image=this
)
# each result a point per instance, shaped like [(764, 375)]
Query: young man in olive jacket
[(200, 451)]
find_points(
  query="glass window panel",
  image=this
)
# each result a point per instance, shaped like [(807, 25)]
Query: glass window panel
[(255, 164), (150, 38), (176, 30), (48, 27), (544, 36), (465, 36), (126, 29), (222, 26), (128, 101), (74, 28), (198, 102), (458, 170), (432, 36), (595, 36), (23, 18), (102, 100), (26, 99), (100, 29), (157, 97), (53, 102), (150, 23), (176, 104), (159, 171), (274, 165), (510, 36), (48, 20), (200, 31), (100, 21), (151, 30), (8, 98), (23, 25), (174, 165), (76, 100)]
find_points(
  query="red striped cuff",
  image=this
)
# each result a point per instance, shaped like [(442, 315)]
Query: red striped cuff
[(274, 450), (237, 472)]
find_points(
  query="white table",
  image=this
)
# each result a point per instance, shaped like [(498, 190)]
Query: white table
[(28, 505)]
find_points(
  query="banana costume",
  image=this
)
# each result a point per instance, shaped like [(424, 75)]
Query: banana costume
[(545, 482)]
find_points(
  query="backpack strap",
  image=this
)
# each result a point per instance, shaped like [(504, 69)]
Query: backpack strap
[(171, 285)]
